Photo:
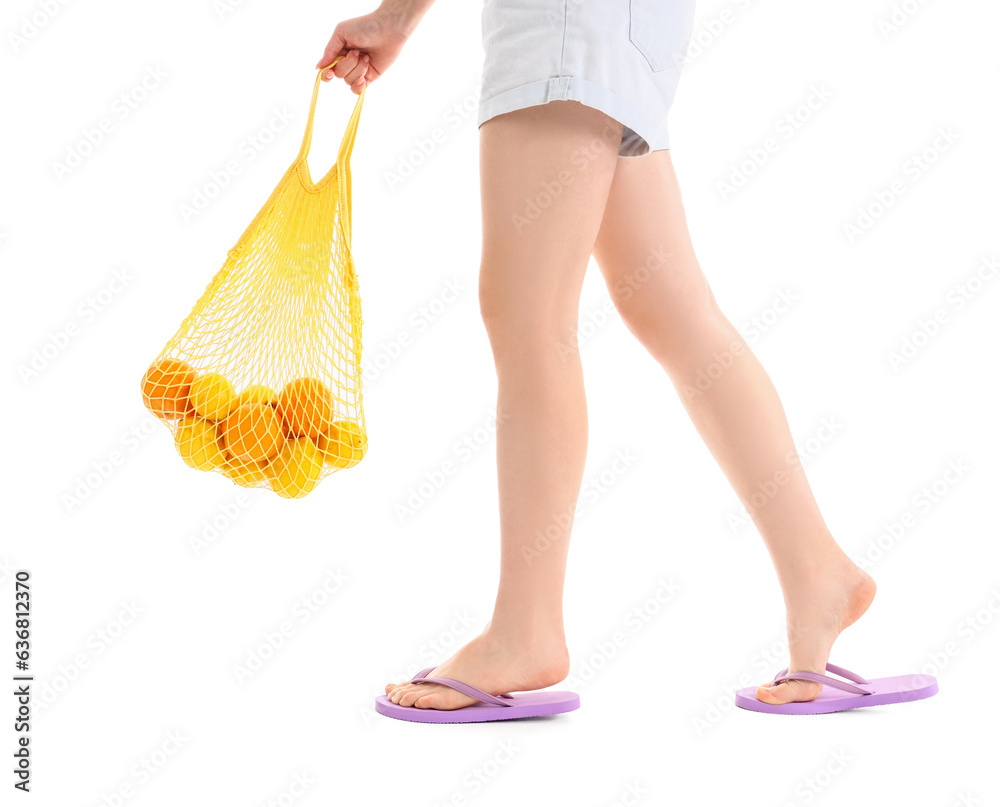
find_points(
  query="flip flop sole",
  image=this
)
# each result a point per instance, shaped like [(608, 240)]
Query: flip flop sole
[(527, 704), (894, 689)]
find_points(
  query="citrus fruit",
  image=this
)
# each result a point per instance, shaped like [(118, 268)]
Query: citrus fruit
[(212, 396), (306, 407), (246, 474), (166, 387), (198, 443), (296, 470), (252, 432), (344, 445), (257, 393)]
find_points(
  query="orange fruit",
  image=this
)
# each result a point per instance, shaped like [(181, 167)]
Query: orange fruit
[(166, 387), (246, 474), (198, 443), (257, 393), (253, 433), (344, 446), (296, 470), (306, 407), (212, 396)]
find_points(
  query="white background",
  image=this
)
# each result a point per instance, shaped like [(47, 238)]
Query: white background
[(105, 516)]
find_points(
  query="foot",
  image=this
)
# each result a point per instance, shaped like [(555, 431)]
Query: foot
[(820, 605), (489, 664)]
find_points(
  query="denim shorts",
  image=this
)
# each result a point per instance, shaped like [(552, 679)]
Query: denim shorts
[(623, 57)]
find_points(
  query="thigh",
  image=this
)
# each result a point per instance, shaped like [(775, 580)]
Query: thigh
[(644, 248), (545, 173)]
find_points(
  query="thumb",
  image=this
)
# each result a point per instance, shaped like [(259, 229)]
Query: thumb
[(333, 49)]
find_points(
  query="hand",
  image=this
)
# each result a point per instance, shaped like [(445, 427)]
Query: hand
[(371, 43)]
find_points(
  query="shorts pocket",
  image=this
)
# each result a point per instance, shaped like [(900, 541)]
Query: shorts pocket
[(661, 31)]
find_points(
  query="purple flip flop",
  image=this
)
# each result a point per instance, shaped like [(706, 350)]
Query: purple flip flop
[(502, 707), (839, 695)]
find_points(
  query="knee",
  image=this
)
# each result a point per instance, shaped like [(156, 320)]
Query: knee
[(670, 328), (528, 325)]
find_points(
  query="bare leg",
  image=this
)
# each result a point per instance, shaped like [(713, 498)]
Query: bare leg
[(645, 253), (530, 279)]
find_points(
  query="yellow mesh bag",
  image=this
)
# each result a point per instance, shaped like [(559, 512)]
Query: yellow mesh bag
[(262, 381)]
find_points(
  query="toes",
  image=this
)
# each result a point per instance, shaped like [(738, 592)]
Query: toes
[(426, 696), (410, 696), (390, 688), (398, 692), (430, 701), (769, 694), (789, 692)]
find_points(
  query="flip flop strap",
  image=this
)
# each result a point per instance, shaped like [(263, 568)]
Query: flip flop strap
[(863, 688), (465, 689)]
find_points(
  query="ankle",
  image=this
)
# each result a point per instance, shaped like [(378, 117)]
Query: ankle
[(827, 564), (521, 626), (544, 650)]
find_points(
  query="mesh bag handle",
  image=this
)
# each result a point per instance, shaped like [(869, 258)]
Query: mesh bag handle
[(343, 164)]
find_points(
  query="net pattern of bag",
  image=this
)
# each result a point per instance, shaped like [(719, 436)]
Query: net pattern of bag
[(262, 380)]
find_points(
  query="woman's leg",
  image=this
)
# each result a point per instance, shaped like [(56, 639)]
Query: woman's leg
[(545, 175), (645, 253)]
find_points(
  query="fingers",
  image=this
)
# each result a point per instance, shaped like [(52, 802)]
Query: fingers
[(351, 68), (349, 60), (354, 74), (333, 49), (362, 78), (338, 70)]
